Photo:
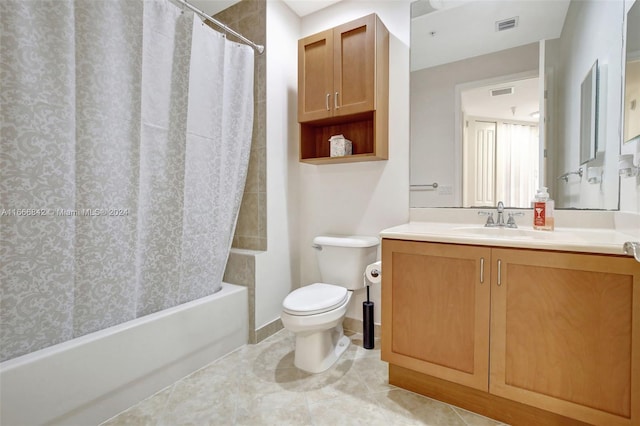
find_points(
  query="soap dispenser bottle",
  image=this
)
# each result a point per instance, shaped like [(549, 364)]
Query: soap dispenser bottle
[(543, 211)]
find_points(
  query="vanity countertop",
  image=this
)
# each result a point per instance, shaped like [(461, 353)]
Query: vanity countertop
[(601, 238)]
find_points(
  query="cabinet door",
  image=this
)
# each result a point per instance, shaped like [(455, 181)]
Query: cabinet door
[(565, 334), (315, 77), (354, 66), (435, 310)]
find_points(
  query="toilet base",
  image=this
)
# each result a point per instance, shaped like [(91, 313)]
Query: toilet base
[(316, 352)]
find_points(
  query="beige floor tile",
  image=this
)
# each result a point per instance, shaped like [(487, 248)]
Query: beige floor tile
[(338, 381), (408, 408), (259, 385), (359, 409), (145, 413), (473, 419), (277, 408), (374, 373)]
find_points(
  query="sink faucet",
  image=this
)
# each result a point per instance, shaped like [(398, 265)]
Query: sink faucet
[(511, 223), (500, 221)]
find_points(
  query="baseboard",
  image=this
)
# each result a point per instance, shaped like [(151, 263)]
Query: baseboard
[(270, 329), (355, 325), (484, 403)]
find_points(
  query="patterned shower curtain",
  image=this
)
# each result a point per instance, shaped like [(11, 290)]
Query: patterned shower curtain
[(125, 130)]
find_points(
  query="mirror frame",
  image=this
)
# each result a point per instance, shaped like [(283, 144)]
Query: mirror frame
[(588, 115)]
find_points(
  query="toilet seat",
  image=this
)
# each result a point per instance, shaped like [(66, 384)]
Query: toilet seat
[(314, 299)]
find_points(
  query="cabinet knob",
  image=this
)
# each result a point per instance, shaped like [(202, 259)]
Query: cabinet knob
[(328, 96), (335, 101)]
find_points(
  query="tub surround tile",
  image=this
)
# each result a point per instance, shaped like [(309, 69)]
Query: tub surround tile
[(249, 18), (259, 385)]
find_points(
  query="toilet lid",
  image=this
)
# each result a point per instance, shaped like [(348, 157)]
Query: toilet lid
[(314, 299)]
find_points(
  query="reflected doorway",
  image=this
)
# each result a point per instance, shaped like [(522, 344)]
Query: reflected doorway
[(500, 143)]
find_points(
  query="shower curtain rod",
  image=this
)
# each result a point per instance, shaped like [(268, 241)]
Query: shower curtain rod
[(258, 47)]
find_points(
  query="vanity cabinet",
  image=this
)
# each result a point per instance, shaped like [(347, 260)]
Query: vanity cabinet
[(343, 88), (556, 335), (437, 310)]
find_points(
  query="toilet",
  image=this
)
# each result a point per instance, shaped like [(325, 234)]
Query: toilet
[(314, 313)]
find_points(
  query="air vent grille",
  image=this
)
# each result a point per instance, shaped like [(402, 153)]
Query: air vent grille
[(507, 24), (502, 91)]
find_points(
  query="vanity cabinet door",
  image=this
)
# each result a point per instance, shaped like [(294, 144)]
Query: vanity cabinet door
[(435, 310), (565, 334)]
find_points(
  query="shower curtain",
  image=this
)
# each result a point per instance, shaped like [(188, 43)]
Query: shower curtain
[(125, 135)]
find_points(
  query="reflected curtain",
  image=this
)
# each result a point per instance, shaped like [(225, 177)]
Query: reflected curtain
[(517, 164), (125, 136)]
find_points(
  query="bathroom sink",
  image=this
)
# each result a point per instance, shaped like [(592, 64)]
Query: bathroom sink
[(499, 232)]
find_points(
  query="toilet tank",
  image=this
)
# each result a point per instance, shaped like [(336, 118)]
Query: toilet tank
[(343, 259)]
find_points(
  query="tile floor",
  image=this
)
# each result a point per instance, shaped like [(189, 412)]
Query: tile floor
[(259, 385)]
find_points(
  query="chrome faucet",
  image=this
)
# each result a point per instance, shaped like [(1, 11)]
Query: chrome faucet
[(511, 222), (500, 221)]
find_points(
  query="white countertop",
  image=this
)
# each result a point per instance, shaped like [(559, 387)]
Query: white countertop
[(607, 235)]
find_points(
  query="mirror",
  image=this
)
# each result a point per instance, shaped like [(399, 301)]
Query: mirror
[(632, 76), (588, 117), (460, 44)]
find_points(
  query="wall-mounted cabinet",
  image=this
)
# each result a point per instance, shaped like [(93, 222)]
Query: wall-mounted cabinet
[(524, 336), (343, 88)]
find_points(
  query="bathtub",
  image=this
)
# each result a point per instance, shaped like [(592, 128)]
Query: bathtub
[(94, 377)]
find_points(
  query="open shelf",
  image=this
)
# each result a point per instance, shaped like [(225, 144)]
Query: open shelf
[(360, 130)]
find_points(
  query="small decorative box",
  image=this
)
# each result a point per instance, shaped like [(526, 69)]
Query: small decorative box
[(339, 146)]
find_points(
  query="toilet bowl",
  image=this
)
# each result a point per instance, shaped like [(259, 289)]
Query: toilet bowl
[(315, 312), (320, 339)]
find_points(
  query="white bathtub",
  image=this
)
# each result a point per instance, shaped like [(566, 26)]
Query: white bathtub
[(92, 378)]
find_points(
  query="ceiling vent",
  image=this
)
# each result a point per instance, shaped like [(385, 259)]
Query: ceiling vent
[(500, 92), (507, 24)]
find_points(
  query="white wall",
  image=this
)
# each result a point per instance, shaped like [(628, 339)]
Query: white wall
[(590, 29), (360, 198), (277, 269)]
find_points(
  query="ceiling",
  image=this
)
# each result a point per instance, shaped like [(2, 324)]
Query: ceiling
[(444, 31), (307, 7), (300, 7), (520, 105), (463, 29), (211, 7)]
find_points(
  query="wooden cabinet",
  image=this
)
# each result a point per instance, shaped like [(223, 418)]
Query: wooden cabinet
[(437, 308), (564, 333), (564, 330), (343, 88)]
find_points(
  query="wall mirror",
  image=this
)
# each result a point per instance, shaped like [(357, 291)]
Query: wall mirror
[(632, 76), (492, 46)]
